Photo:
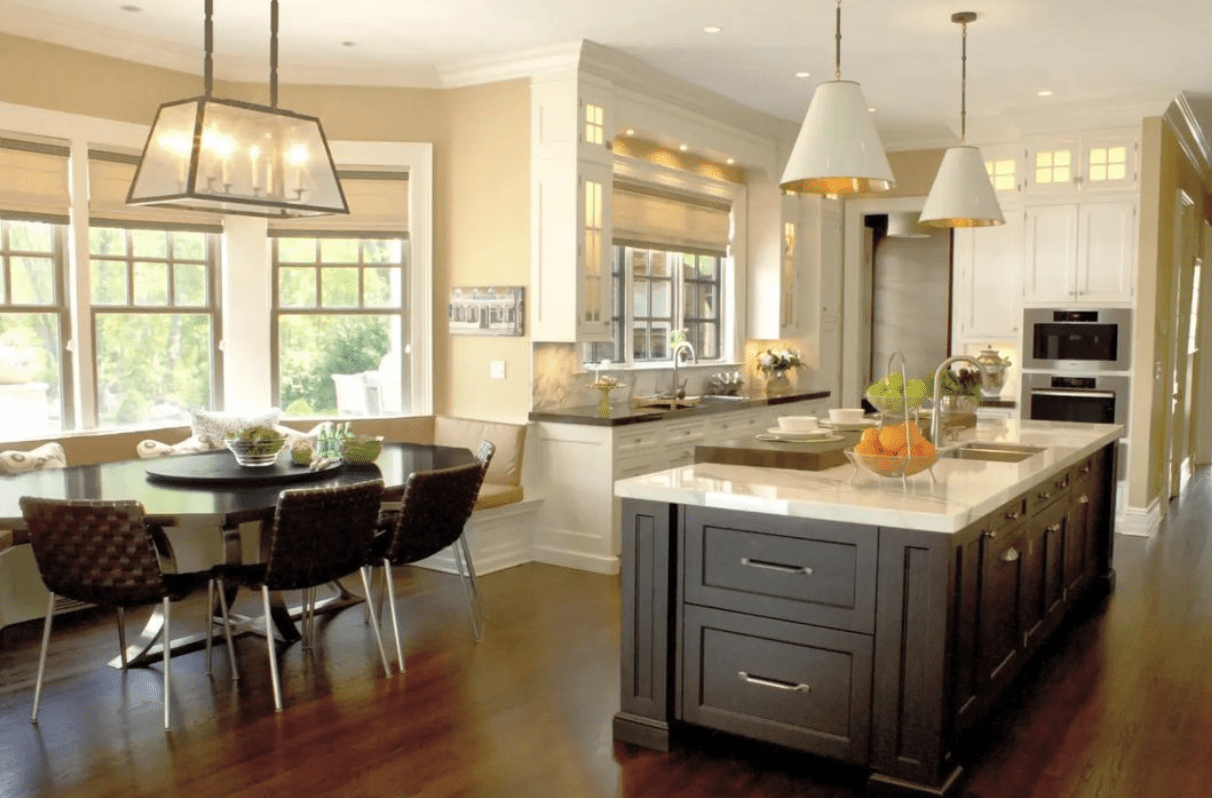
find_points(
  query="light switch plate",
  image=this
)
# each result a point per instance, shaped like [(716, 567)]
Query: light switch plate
[(496, 369)]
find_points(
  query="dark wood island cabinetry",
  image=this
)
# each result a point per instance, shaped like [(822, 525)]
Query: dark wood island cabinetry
[(870, 643)]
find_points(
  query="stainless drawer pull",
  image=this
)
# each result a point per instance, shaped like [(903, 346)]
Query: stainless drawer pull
[(1085, 469), (1054, 528), (1084, 499), (774, 566), (1044, 494), (795, 688), (1010, 554), (1012, 515)]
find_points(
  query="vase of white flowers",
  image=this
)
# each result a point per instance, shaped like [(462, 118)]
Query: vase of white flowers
[(774, 365)]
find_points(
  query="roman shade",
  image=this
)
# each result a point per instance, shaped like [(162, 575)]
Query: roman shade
[(644, 215), (34, 180), (378, 204), (109, 178)]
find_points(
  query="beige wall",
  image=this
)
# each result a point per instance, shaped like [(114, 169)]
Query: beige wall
[(1164, 170), (914, 171), (481, 139)]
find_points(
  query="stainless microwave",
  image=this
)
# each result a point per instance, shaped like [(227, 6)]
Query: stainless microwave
[(1080, 339)]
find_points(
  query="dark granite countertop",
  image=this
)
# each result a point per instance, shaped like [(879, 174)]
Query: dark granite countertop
[(622, 413)]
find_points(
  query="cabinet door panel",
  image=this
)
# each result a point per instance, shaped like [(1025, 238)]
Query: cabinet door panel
[(997, 638), (1106, 251), (1051, 253), (989, 279)]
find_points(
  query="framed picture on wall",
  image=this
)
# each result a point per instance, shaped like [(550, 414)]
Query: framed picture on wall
[(492, 310)]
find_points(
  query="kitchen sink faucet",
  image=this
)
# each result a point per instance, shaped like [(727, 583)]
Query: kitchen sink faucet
[(936, 423), (678, 389)]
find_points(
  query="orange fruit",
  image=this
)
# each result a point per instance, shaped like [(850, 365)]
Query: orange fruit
[(893, 437), (922, 448), (868, 447), (870, 435)]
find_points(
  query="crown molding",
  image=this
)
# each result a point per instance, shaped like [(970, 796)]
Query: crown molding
[(557, 59), (1190, 125)]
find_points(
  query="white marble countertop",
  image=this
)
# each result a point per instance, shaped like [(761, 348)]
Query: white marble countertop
[(962, 490)]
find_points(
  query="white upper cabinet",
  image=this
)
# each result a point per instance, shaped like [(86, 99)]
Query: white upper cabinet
[(988, 280), (1086, 162), (571, 189), (1080, 252)]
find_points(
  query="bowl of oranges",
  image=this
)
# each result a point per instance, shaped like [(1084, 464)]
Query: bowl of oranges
[(894, 450)]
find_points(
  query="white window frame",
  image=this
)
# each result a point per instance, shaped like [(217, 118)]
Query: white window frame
[(245, 274)]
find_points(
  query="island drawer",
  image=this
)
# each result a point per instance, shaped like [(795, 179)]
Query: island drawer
[(1006, 516), (792, 684), (1048, 491), (794, 569)]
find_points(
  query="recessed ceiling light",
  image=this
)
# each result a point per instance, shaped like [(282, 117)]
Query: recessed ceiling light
[(131, 7), (1044, 92), (730, 161), (630, 131), (684, 147), (349, 44), (803, 74), (712, 29), (871, 110)]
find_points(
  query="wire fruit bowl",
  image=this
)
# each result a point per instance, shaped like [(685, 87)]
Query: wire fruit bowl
[(891, 465)]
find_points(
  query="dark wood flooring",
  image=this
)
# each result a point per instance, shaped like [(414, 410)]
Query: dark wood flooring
[(1119, 707)]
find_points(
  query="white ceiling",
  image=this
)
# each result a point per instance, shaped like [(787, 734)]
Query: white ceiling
[(1112, 60)]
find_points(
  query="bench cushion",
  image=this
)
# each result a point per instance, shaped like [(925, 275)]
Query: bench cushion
[(510, 440), (493, 495)]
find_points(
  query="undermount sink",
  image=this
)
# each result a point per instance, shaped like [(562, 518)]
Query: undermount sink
[(997, 452), (662, 403)]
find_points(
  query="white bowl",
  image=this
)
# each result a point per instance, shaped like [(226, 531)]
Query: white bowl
[(846, 415), (800, 424)]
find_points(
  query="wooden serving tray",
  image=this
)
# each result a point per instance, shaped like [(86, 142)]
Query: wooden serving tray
[(807, 456)]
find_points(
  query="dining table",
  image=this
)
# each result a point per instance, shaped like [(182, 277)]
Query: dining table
[(210, 489)]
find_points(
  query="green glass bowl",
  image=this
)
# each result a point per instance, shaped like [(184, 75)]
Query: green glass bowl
[(362, 449)]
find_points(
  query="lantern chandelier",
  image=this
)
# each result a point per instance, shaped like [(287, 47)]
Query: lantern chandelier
[(838, 150), (228, 156), (962, 194)]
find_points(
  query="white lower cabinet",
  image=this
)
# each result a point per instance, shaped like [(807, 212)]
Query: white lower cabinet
[(579, 519)]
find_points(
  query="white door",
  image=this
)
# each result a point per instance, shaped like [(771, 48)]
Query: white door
[(1050, 259), (1106, 251), (989, 280)]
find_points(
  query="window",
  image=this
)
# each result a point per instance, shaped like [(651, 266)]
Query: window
[(669, 291), (1108, 164), (155, 320), (594, 124), (1001, 174), (340, 324), (33, 327), (1053, 166)]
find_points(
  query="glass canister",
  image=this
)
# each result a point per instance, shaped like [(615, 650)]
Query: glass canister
[(995, 372)]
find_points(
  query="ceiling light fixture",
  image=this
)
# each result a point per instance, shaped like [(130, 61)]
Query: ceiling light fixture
[(803, 74), (1044, 92), (228, 156), (712, 29), (962, 195), (838, 150)]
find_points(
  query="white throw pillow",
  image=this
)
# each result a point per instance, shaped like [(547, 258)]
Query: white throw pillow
[(46, 456), (212, 426)]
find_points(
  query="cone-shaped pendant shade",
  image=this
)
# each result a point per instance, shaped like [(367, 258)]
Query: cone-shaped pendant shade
[(838, 150), (962, 195)]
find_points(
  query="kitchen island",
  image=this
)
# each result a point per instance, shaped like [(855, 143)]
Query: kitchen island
[(854, 617)]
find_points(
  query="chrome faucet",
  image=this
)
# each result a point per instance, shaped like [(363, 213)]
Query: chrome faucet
[(678, 389), (936, 424)]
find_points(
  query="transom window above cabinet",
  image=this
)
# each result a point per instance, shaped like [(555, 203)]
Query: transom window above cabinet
[(595, 132), (1088, 162), (1003, 173)]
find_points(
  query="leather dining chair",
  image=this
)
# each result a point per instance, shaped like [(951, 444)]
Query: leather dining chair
[(434, 510), (104, 553), (318, 535)]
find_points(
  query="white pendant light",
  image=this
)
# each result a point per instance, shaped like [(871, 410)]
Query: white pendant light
[(838, 150), (229, 156), (962, 194)]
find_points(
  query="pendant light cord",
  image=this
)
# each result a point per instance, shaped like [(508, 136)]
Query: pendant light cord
[(837, 47), (273, 54), (208, 63), (963, 86)]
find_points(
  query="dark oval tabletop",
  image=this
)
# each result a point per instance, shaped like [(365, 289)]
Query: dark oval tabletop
[(225, 501)]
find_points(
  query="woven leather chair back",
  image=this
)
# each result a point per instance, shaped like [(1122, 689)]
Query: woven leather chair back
[(98, 552), (321, 534), (436, 506)]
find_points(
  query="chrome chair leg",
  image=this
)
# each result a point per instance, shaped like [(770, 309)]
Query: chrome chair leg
[(231, 649), (471, 607), (273, 655), (374, 622), (168, 652), (210, 621), (471, 571), (305, 617), (46, 630), (391, 602), (122, 634)]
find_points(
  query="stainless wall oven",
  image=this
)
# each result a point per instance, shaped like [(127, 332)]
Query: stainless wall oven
[(1077, 340), (1091, 398)]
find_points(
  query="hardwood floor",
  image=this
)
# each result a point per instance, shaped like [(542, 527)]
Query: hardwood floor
[(1119, 707)]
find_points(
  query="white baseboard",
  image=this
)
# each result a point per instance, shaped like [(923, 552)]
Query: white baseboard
[(576, 559), (1139, 521)]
